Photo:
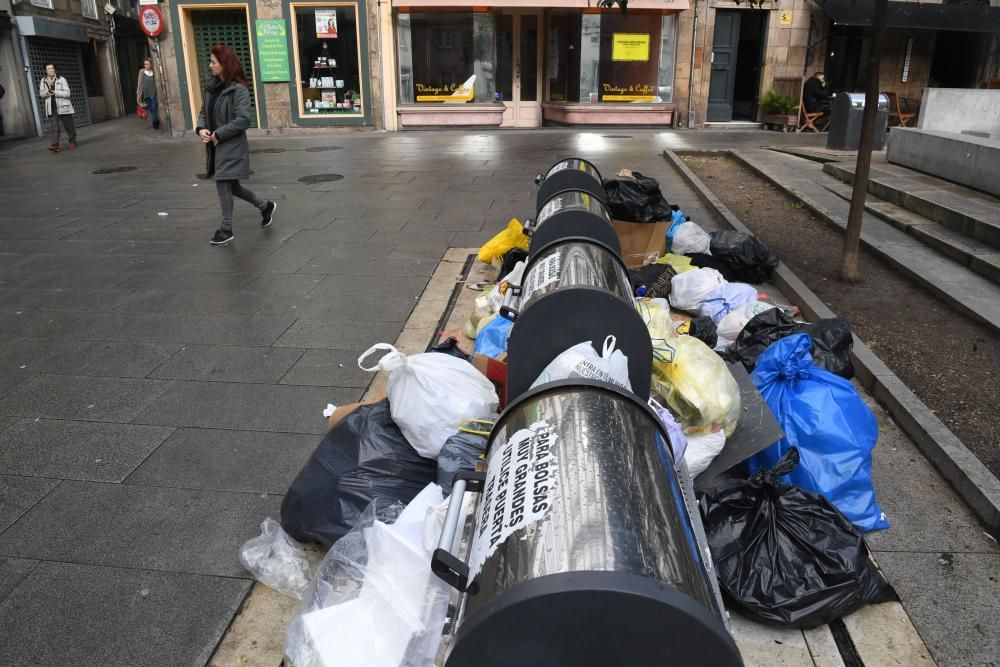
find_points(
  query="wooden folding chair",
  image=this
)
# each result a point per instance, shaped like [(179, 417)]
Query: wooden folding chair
[(903, 118), (807, 120)]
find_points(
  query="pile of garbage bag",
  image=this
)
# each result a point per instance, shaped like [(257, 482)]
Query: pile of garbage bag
[(785, 533)]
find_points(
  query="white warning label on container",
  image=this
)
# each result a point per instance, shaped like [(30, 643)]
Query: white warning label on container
[(542, 274), (518, 491)]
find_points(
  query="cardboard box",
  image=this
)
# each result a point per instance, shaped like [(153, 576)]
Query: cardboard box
[(344, 410), (495, 371), (640, 239)]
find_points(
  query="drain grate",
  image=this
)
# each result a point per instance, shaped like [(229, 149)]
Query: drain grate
[(113, 170), (320, 178), (267, 150), (322, 149), (618, 136)]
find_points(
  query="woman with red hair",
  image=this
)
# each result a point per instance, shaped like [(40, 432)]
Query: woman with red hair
[(222, 125)]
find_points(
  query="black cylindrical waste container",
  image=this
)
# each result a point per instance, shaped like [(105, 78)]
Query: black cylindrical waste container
[(572, 213), (847, 116), (569, 174), (573, 291), (582, 553)]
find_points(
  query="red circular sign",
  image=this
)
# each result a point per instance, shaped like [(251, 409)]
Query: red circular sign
[(151, 20)]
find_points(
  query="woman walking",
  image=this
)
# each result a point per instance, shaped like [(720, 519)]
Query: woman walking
[(145, 92), (222, 125)]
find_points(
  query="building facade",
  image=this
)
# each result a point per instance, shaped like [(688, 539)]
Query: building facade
[(399, 64), (75, 36)]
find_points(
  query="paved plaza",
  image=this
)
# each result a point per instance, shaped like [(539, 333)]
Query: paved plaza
[(158, 394)]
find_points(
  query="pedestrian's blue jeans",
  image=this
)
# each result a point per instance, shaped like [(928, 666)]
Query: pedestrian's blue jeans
[(154, 112)]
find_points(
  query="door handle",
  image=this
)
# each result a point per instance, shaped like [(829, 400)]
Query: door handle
[(711, 60)]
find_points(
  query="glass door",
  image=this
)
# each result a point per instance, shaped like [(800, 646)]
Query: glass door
[(518, 64)]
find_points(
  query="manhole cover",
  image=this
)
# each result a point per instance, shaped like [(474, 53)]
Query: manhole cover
[(267, 150), (114, 170), (320, 178), (617, 136), (322, 149)]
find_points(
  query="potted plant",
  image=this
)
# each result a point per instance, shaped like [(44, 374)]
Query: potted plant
[(780, 111)]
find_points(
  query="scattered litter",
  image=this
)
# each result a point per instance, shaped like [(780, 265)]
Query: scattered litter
[(329, 410), (276, 560), (163, 214)]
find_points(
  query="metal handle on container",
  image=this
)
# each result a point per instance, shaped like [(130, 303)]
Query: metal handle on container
[(529, 227), (446, 565), (506, 311), (538, 179)]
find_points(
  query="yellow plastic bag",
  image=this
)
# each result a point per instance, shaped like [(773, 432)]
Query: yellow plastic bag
[(511, 237), (681, 263), (692, 379)]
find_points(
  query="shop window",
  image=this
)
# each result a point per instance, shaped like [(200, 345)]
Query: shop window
[(446, 57), (611, 57), (327, 58), (47, 4)]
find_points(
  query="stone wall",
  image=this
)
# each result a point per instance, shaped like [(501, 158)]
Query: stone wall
[(961, 110)]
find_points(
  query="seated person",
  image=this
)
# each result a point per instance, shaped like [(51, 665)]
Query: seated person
[(815, 97)]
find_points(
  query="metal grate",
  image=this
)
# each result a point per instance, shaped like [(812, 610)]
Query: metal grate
[(67, 58), (228, 27)]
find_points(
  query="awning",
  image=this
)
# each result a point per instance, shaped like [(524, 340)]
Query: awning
[(35, 26), (668, 5), (915, 15)]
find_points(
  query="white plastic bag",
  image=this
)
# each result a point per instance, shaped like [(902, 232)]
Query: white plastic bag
[(726, 299), (702, 450), (689, 239), (513, 278), (276, 560), (675, 432), (732, 324), (583, 361), (374, 601), (430, 393), (689, 289)]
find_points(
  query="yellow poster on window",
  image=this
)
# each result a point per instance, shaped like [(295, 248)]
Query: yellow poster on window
[(630, 47)]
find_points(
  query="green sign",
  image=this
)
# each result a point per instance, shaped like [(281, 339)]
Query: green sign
[(272, 50)]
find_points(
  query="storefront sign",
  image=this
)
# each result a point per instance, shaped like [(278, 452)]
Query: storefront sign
[(151, 20), (447, 92), (786, 18), (636, 92), (630, 47), (272, 50), (326, 23)]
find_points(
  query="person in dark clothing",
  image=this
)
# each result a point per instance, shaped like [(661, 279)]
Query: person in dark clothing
[(145, 92), (222, 125), (815, 96)]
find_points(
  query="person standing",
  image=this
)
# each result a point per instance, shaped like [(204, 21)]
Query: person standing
[(145, 92), (222, 126), (55, 93)]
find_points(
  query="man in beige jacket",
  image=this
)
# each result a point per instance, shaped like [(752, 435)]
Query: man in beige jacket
[(55, 94)]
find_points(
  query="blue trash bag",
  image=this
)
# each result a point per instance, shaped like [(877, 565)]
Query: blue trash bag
[(492, 340), (824, 417)]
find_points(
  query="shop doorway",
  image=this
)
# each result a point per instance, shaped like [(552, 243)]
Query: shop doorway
[(955, 63), (519, 59), (737, 52), (202, 29)]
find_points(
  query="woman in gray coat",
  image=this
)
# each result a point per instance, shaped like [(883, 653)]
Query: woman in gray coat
[(222, 125)]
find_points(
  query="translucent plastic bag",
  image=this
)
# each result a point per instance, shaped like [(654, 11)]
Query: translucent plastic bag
[(583, 361), (374, 601), (687, 238), (689, 289), (429, 394), (727, 298), (511, 237), (732, 324), (276, 560), (694, 382)]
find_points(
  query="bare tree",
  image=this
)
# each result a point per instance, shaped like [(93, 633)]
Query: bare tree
[(849, 255)]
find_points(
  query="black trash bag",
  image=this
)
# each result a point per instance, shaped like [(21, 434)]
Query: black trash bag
[(832, 345), (831, 338), (636, 199), (787, 556), (655, 278), (740, 257), (702, 328), (460, 452), (510, 259), (363, 457), (450, 346)]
